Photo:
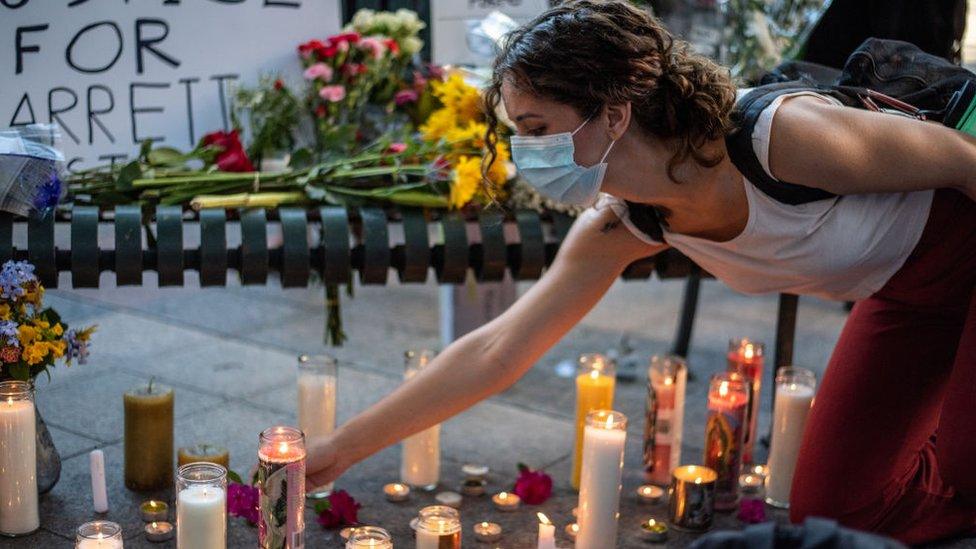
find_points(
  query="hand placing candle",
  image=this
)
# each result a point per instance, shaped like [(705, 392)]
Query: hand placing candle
[(547, 533)]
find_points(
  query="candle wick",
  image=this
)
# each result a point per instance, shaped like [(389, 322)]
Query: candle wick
[(150, 387)]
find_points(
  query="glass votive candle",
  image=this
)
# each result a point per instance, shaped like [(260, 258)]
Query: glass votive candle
[(650, 493), (487, 532), (317, 385), (506, 501), (369, 537), (691, 498), (99, 534), (201, 505), (654, 531), (396, 492), (154, 511), (281, 479), (438, 527), (728, 402), (160, 531)]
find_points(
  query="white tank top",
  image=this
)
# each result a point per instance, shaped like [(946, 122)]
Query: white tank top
[(843, 248)]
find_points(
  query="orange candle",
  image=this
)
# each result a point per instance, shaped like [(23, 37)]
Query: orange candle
[(594, 391)]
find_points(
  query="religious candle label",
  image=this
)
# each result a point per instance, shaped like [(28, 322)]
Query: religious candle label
[(282, 523)]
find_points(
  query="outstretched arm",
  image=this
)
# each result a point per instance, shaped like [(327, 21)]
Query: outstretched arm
[(852, 151), (493, 357)]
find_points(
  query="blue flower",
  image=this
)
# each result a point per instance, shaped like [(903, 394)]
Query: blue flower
[(77, 348), (8, 333), (49, 194), (13, 276)]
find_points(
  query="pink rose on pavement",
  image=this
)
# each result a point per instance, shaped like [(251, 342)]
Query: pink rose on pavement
[(534, 487), (320, 71), (403, 97), (333, 94)]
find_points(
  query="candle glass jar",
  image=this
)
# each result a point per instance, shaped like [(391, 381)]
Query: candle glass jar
[(795, 389), (691, 498), (281, 479), (600, 481), (19, 513), (745, 357), (420, 463), (201, 506), (438, 527), (317, 386), (369, 537), (667, 378), (595, 382), (99, 534), (728, 399)]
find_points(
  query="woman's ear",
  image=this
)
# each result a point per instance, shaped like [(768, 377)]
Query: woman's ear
[(618, 119)]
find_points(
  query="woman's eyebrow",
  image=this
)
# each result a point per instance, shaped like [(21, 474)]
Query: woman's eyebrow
[(522, 117)]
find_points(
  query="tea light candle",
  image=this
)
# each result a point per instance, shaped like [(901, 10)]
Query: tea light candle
[(691, 498), (547, 533), (760, 470), (487, 532), (396, 492), (472, 487), (451, 499), (154, 511), (649, 493), (572, 530), (750, 483), (474, 471), (654, 531), (506, 501), (159, 531)]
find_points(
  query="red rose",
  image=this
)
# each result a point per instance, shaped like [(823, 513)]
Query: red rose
[(231, 157), (392, 45), (340, 509), (351, 37), (307, 48), (279, 85), (321, 111), (534, 487)]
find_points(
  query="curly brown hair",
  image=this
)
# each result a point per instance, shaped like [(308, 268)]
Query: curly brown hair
[(588, 53)]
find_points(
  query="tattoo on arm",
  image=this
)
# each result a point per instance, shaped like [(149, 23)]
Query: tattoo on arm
[(609, 226)]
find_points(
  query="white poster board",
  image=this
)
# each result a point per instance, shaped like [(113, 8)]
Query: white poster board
[(448, 19), (116, 72)]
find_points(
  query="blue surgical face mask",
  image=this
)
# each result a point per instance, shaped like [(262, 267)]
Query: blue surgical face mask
[(547, 163)]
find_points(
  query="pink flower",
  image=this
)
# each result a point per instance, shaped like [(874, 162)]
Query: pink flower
[(419, 81), (333, 94), (353, 69), (396, 148), (403, 97), (752, 511), (242, 501), (534, 487), (319, 70), (374, 46), (340, 509)]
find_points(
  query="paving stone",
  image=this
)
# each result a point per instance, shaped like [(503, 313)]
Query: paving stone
[(41, 539), (70, 444)]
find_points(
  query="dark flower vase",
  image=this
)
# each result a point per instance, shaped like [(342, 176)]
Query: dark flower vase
[(48, 458)]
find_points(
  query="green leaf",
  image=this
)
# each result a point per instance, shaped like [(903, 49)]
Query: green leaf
[(322, 506), (166, 156), (129, 173), (234, 477), (20, 371), (144, 148), (302, 158)]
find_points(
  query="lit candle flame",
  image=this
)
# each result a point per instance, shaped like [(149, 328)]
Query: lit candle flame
[(749, 351), (609, 421), (595, 374), (723, 389), (543, 518), (698, 480), (651, 522), (283, 448), (668, 380)]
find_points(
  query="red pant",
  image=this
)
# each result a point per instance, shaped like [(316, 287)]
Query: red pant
[(890, 445)]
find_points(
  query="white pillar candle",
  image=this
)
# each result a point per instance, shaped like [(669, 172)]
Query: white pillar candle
[(547, 533), (420, 464), (201, 506), (317, 383), (201, 521), (603, 460), (18, 460), (795, 388), (99, 494)]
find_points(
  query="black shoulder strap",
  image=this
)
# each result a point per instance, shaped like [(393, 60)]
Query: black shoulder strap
[(645, 218), (739, 143)]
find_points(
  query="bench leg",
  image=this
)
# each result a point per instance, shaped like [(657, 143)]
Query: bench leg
[(689, 306)]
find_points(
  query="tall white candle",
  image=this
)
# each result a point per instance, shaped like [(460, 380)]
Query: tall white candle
[(99, 494), (547, 533), (795, 389), (18, 460), (201, 521), (317, 383), (603, 461), (420, 464)]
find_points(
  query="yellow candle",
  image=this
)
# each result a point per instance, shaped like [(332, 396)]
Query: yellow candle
[(594, 391)]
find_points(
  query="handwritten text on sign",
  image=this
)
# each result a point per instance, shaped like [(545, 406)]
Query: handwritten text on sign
[(113, 73)]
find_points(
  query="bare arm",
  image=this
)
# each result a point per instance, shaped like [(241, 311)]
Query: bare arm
[(493, 357), (851, 151)]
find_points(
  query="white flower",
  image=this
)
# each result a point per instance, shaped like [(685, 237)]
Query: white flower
[(411, 45), (363, 18)]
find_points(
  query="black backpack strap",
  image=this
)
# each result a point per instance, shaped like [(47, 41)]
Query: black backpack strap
[(739, 143), (646, 219)]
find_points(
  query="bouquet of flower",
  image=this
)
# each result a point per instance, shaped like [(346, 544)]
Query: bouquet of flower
[(32, 338)]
